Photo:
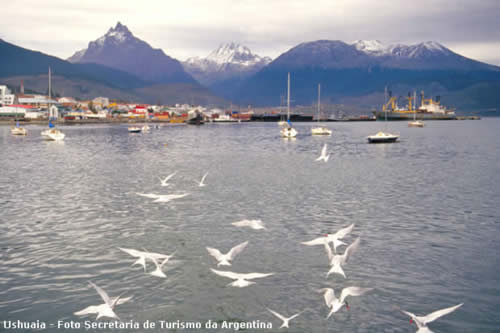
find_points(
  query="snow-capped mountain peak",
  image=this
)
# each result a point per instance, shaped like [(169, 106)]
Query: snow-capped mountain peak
[(228, 60), (370, 46), (117, 35), (233, 53)]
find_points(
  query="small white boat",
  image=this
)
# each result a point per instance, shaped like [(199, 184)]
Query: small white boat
[(17, 130), (416, 123), (288, 132), (382, 137), (145, 128), (320, 130), (134, 129), (53, 134)]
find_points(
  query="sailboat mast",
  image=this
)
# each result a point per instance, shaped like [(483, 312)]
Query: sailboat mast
[(414, 105), (288, 100), (50, 92), (319, 100)]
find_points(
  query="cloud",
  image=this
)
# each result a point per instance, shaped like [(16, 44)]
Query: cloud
[(196, 27)]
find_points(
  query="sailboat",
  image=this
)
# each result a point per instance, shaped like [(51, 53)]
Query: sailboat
[(287, 131), (320, 130), (18, 130), (52, 134), (415, 122), (383, 137)]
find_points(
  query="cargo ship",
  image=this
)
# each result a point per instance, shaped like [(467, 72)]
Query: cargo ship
[(429, 109)]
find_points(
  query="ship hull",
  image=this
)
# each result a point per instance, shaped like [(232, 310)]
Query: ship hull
[(410, 116)]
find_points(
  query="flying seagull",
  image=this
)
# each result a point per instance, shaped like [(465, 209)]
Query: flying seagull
[(225, 259), (422, 321), (283, 318), (240, 278), (323, 155)]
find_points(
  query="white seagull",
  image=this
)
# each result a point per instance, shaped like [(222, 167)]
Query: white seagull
[(336, 303), (337, 260), (93, 309), (422, 321), (201, 184), (333, 238), (158, 272), (254, 224), (138, 254), (241, 278), (106, 309), (164, 182), (283, 318), (225, 259), (323, 155), (162, 197), (143, 255)]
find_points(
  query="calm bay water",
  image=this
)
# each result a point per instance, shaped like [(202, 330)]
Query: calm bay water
[(426, 209)]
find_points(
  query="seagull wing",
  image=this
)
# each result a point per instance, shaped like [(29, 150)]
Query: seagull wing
[(277, 315), (296, 315), (169, 176), (101, 293), (439, 313), (149, 195), (132, 252), (215, 253), (242, 223), (329, 251), (88, 310), (203, 178), (329, 296), (351, 249), (236, 250), (121, 300), (323, 151), (250, 276), (353, 291), (316, 241), (343, 232), (230, 275)]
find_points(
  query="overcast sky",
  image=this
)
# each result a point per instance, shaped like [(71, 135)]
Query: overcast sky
[(186, 28)]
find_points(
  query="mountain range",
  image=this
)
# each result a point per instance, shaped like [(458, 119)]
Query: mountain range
[(356, 73)]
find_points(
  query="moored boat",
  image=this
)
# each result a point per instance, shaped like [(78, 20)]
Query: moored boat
[(320, 130), (382, 137)]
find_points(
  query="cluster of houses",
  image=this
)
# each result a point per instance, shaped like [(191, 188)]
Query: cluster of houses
[(32, 106)]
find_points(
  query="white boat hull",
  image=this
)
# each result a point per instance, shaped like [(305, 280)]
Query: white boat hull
[(288, 132), (320, 131), (382, 137), (53, 135), (18, 131)]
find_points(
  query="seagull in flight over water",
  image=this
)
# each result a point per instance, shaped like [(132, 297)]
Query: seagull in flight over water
[(323, 155), (333, 238), (337, 260), (334, 303), (143, 255), (254, 224), (164, 181), (225, 259), (162, 197), (240, 278), (422, 321), (283, 318), (106, 309)]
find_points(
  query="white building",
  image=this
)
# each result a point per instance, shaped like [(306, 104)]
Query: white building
[(6, 97), (103, 102)]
